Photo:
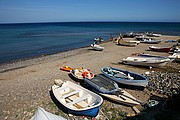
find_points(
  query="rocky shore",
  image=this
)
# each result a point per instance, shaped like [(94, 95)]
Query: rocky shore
[(25, 85)]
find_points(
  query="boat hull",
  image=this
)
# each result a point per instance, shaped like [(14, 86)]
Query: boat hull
[(97, 47), (159, 49), (106, 88), (72, 103), (139, 80)]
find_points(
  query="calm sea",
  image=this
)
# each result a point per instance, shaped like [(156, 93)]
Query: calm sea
[(21, 41)]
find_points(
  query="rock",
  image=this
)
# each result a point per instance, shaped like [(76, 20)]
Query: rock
[(164, 83)]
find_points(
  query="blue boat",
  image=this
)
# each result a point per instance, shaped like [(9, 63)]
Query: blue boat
[(109, 89), (77, 100), (125, 77)]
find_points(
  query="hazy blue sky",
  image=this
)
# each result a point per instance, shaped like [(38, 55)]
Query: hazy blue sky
[(89, 10)]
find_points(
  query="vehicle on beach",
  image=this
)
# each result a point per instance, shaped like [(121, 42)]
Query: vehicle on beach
[(146, 61), (98, 40), (151, 34), (75, 99), (128, 35), (127, 43), (150, 41), (109, 89), (81, 73), (148, 56), (175, 57), (97, 47), (125, 77), (66, 68), (160, 49)]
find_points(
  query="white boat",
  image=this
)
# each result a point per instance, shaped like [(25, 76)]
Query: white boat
[(175, 57), (127, 43), (76, 99), (98, 40), (177, 50), (150, 41), (81, 73), (97, 47), (151, 34), (146, 61), (41, 114)]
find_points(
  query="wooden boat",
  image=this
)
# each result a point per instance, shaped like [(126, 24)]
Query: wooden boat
[(127, 43), (109, 89), (125, 77), (150, 41), (66, 68), (160, 49), (76, 99), (147, 61), (41, 114), (97, 47), (81, 73)]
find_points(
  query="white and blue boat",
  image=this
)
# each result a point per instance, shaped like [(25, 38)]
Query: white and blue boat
[(125, 77), (77, 100), (150, 41), (109, 89)]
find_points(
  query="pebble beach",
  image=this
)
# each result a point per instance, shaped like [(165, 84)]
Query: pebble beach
[(26, 84)]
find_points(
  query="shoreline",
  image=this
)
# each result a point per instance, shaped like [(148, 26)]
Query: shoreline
[(25, 84), (41, 58)]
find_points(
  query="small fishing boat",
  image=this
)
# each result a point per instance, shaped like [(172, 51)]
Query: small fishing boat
[(81, 73), (66, 68), (148, 56), (129, 35), (150, 41), (97, 47), (125, 77), (41, 114), (127, 43), (98, 40), (151, 34), (146, 60), (109, 89), (76, 99), (175, 57), (160, 49)]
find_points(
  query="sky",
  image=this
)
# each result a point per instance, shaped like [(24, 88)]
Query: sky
[(30, 11)]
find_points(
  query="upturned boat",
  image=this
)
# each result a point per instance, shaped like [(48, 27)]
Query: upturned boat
[(109, 89), (125, 77), (76, 99)]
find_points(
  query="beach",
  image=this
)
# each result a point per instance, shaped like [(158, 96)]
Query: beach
[(25, 85)]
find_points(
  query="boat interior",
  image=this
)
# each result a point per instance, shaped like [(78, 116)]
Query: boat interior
[(76, 99)]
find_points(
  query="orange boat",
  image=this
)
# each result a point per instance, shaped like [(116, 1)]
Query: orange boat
[(66, 68)]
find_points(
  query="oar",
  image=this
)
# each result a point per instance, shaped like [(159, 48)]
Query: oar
[(133, 99), (118, 93)]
